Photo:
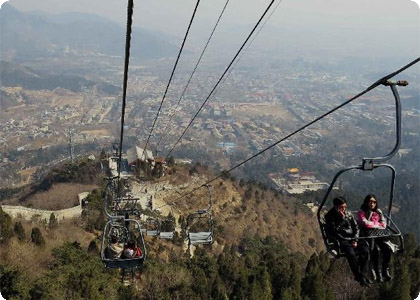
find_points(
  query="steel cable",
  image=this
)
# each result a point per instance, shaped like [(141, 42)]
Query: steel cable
[(220, 79), (130, 7), (165, 132), (172, 74), (371, 87)]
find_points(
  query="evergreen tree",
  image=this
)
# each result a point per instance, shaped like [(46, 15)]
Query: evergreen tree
[(265, 283), (76, 275), (412, 259), (312, 283), (6, 231), (287, 294), (93, 247), (401, 283), (19, 231), (295, 280), (12, 284), (36, 237), (53, 223)]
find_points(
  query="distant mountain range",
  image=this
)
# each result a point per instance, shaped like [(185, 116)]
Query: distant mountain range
[(17, 75), (26, 36)]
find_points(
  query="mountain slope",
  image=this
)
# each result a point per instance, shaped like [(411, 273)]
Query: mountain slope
[(12, 75), (28, 36)]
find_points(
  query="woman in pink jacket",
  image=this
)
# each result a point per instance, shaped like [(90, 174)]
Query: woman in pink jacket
[(371, 217)]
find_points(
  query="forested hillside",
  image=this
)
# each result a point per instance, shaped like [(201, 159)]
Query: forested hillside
[(267, 246)]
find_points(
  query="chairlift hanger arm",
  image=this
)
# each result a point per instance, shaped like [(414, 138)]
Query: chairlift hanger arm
[(369, 162), (210, 195)]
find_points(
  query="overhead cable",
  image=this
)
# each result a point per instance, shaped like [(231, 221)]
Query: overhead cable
[(172, 74), (371, 87), (250, 43), (220, 79), (130, 6), (165, 131)]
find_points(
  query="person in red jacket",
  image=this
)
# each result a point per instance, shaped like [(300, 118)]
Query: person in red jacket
[(131, 250), (371, 217)]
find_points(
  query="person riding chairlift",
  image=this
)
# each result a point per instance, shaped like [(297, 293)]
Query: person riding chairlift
[(342, 227), (370, 217), (114, 249), (131, 250)]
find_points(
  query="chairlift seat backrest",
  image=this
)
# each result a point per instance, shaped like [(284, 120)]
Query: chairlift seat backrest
[(167, 235), (200, 238), (152, 232)]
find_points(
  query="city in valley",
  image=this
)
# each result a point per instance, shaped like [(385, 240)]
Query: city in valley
[(251, 109)]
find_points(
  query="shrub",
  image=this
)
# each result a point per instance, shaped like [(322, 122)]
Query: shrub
[(6, 231), (19, 231), (36, 237), (53, 223)]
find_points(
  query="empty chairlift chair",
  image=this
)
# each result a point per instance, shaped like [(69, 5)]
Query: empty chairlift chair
[(167, 229), (200, 228), (200, 225), (152, 227)]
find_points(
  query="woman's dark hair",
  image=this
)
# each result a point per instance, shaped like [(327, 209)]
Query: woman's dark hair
[(365, 205), (339, 201)]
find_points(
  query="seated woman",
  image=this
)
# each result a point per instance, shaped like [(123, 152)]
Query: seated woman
[(371, 217), (114, 249), (131, 250)]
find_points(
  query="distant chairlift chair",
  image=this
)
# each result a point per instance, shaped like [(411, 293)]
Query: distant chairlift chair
[(152, 227), (200, 225), (167, 229)]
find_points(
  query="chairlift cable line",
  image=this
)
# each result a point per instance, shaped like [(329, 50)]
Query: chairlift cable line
[(250, 43), (170, 78), (130, 6), (191, 76), (220, 79), (371, 87)]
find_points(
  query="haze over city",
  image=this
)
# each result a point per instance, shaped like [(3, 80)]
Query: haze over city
[(218, 167), (375, 28)]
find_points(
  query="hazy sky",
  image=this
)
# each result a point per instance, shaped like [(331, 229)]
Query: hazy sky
[(165, 15), (360, 25)]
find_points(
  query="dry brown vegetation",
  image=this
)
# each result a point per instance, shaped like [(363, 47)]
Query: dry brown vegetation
[(34, 260), (239, 213), (240, 210), (59, 196)]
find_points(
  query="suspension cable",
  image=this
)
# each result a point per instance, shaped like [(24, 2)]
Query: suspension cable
[(220, 79), (371, 87), (172, 74), (130, 6), (165, 132), (249, 45)]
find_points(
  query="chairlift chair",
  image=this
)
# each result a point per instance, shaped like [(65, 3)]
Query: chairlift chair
[(118, 206), (199, 232), (369, 164), (167, 229), (200, 224), (152, 227), (125, 230)]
